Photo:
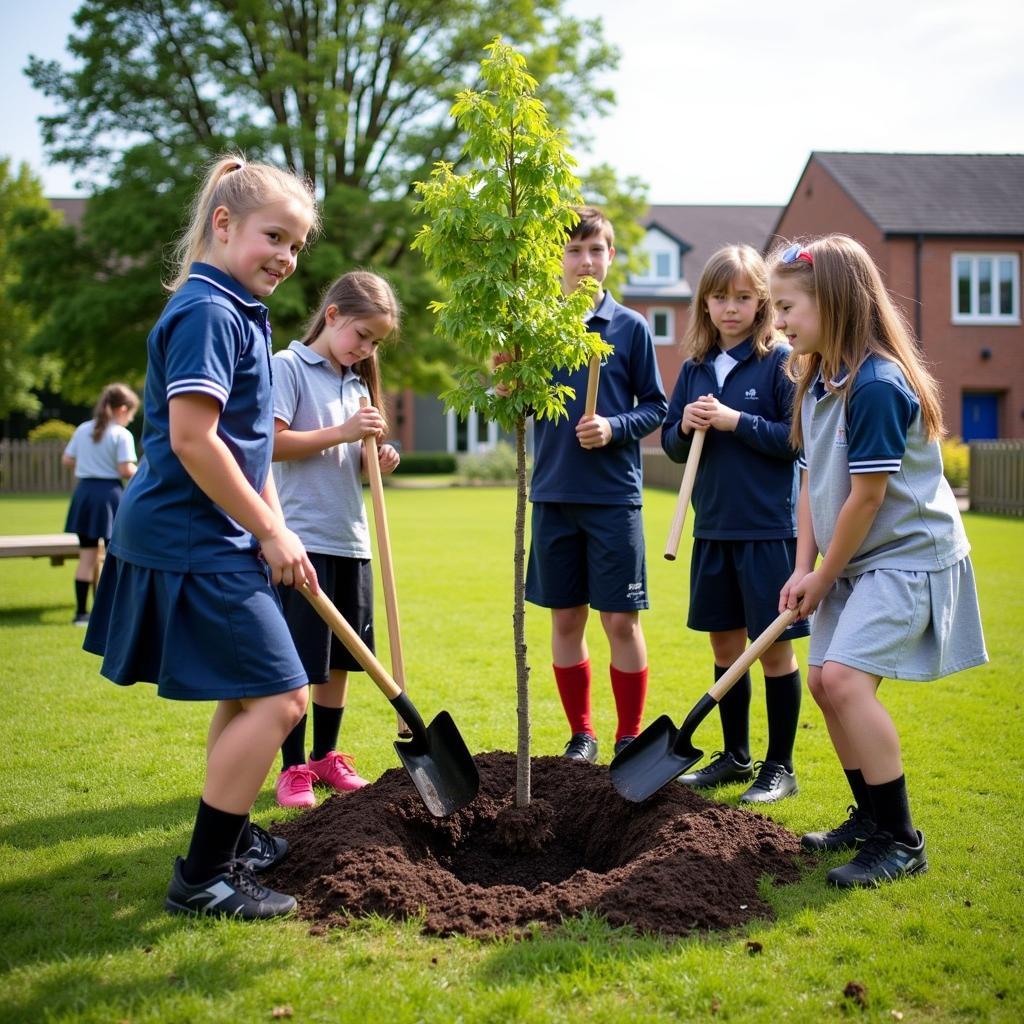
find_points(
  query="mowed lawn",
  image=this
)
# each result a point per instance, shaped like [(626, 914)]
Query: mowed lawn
[(100, 786)]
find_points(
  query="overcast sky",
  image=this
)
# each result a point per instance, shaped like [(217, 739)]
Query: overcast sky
[(720, 102)]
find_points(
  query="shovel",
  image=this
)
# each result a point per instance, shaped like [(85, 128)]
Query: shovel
[(436, 758), (387, 568), (685, 491), (661, 751)]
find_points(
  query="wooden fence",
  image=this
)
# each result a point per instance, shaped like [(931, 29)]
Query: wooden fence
[(34, 467), (997, 477)]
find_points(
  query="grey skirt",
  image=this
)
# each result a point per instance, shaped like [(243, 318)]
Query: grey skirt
[(901, 625)]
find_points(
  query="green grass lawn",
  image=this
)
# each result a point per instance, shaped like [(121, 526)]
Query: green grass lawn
[(101, 783)]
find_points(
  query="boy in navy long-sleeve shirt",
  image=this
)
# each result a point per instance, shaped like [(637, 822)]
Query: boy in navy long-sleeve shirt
[(587, 545)]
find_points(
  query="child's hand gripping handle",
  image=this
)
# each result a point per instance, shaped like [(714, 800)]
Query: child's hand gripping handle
[(593, 379), (685, 492)]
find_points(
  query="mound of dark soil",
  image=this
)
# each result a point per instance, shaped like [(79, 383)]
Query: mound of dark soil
[(675, 864)]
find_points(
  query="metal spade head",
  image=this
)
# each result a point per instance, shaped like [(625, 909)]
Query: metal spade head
[(439, 764), (659, 754)]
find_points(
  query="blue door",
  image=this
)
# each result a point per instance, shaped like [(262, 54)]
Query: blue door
[(980, 416)]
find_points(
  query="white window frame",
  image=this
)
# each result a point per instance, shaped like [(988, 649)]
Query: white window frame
[(656, 243), (1009, 319), (670, 315), (475, 443)]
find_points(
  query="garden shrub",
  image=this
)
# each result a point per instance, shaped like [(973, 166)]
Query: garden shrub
[(427, 463), (495, 466), (52, 430), (956, 458)]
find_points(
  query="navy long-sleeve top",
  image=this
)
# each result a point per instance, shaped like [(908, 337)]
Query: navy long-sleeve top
[(630, 396), (747, 481)]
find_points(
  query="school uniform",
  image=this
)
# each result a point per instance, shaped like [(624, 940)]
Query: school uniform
[(745, 491), (99, 489), (185, 600), (322, 499), (587, 544), (905, 607)]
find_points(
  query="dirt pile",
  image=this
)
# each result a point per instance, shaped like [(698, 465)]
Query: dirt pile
[(675, 864)]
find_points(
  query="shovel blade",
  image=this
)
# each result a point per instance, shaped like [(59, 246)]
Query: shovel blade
[(652, 760), (441, 767)]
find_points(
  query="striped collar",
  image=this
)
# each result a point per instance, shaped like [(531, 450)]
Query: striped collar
[(216, 277)]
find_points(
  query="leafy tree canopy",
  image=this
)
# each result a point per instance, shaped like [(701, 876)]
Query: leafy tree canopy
[(354, 95), (23, 211)]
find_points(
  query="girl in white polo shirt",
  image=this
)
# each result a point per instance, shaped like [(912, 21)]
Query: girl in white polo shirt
[(102, 454), (894, 594), (319, 425)]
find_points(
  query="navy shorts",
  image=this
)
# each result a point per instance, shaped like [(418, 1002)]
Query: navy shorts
[(735, 584), (348, 582), (587, 555), (198, 636)]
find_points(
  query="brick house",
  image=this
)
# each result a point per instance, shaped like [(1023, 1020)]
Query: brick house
[(947, 233)]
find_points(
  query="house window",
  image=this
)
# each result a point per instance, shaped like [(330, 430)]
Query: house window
[(986, 288), (662, 323), (473, 434), (662, 265)]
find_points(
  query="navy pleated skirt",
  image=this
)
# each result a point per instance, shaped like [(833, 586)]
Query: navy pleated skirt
[(93, 506)]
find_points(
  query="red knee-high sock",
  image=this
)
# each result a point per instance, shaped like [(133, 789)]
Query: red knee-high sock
[(630, 692), (574, 689)]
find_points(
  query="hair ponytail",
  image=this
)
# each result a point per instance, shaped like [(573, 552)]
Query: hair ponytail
[(112, 397)]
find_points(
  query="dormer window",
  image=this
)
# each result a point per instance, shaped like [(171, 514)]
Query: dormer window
[(663, 259)]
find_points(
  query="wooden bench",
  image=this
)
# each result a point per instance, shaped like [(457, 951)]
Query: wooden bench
[(54, 546)]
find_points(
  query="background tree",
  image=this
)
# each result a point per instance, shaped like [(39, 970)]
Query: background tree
[(495, 236), (354, 95), (625, 205), (23, 211)]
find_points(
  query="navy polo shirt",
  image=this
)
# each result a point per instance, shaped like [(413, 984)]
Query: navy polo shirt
[(630, 397), (213, 338)]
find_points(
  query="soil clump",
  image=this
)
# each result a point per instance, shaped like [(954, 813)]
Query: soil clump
[(675, 864)]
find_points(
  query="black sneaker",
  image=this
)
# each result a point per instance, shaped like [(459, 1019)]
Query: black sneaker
[(774, 782), (622, 743), (880, 859), (853, 832), (232, 893), (581, 747), (723, 768), (266, 850)]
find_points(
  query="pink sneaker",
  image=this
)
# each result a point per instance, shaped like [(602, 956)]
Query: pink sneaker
[(337, 771), (294, 787)]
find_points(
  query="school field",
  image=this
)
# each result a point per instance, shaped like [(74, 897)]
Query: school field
[(100, 785)]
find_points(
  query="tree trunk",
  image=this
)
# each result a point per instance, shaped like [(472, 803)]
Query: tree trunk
[(519, 624)]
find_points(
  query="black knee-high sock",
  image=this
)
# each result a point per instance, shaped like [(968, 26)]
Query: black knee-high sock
[(326, 726), (860, 790), (782, 699), (892, 810), (81, 595), (293, 750), (734, 710), (214, 841)]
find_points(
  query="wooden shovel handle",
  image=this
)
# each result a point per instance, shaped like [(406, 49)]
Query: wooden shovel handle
[(387, 568), (352, 641), (685, 492), (752, 653), (593, 379)]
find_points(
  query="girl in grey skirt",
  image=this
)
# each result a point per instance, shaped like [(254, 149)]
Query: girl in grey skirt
[(894, 594)]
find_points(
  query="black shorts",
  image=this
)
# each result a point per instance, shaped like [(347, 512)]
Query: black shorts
[(587, 555), (348, 582), (735, 584)]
